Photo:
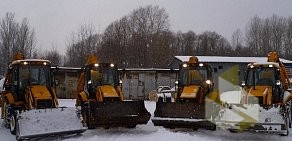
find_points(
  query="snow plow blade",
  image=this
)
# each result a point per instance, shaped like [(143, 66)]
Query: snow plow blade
[(48, 122), (184, 114), (117, 114), (254, 117)]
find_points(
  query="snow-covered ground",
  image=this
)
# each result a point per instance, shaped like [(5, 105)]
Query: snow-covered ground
[(149, 132)]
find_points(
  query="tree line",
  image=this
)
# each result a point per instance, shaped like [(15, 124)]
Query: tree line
[(143, 39)]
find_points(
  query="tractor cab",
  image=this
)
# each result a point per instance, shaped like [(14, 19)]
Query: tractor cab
[(195, 74), (101, 80), (24, 74), (263, 82)]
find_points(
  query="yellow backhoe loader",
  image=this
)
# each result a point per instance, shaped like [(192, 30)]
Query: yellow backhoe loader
[(101, 101), (265, 104), (29, 103), (195, 105)]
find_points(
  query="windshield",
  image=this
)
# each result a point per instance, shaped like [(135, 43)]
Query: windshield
[(261, 77), (34, 75), (105, 77), (193, 76)]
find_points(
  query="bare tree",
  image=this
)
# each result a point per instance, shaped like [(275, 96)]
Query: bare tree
[(25, 39), (277, 33), (288, 39), (54, 56), (252, 36), (137, 39), (8, 30), (83, 43), (15, 37), (237, 41)]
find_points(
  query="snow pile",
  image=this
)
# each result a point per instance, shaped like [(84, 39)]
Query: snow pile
[(48, 121), (231, 97), (67, 102), (236, 113), (251, 113)]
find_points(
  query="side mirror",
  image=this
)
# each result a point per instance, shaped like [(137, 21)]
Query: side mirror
[(242, 83)]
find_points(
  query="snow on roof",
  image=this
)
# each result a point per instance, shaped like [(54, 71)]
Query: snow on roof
[(229, 59), (146, 69), (29, 60)]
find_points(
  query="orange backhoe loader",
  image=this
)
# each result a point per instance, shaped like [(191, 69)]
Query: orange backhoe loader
[(29, 103), (195, 105), (265, 104), (101, 100)]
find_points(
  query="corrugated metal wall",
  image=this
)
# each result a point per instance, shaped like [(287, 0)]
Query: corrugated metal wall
[(138, 83)]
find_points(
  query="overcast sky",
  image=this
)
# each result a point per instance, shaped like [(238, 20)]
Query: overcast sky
[(55, 20)]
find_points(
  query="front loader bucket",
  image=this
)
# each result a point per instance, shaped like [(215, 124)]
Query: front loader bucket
[(254, 117), (117, 113), (184, 114), (48, 122)]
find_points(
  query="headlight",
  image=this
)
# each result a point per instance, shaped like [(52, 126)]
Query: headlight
[(201, 65), (96, 65), (208, 82), (185, 65), (112, 65)]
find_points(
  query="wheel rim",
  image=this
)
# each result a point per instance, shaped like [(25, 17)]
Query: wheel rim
[(12, 123)]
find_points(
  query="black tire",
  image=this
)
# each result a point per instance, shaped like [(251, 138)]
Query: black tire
[(17, 133), (212, 128), (287, 127), (289, 122), (233, 130), (289, 116), (6, 122), (13, 124), (132, 126), (160, 99), (285, 134), (86, 117)]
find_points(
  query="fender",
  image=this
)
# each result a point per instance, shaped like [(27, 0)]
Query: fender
[(287, 96), (119, 91), (10, 99), (82, 97)]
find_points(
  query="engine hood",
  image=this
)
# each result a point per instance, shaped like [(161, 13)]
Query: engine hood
[(190, 91), (40, 92)]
